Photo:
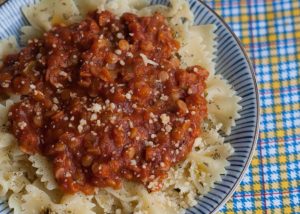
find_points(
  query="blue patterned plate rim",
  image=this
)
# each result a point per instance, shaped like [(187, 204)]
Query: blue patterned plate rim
[(254, 144)]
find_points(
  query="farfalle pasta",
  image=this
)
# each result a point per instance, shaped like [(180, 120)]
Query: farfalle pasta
[(27, 181)]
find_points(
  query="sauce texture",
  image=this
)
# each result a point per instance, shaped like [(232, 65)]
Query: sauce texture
[(106, 100)]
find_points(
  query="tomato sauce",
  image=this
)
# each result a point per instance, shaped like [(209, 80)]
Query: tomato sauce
[(106, 100)]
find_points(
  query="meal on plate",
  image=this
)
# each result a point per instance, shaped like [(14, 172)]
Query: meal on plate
[(111, 107)]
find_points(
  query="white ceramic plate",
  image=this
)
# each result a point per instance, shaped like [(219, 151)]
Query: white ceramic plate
[(234, 65)]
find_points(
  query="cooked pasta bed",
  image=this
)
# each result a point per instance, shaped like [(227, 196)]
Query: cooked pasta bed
[(27, 182)]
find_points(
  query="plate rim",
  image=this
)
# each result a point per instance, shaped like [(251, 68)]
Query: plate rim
[(257, 125)]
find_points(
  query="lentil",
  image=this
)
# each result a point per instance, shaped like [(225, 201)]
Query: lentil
[(107, 138)]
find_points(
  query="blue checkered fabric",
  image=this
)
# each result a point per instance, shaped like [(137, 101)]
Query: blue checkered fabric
[(270, 32)]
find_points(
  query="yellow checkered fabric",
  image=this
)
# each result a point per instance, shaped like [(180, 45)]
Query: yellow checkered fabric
[(270, 32)]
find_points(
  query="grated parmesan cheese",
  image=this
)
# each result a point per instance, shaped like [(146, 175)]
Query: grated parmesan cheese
[(82, 123), (96, 108), (164, 97), (148, 61), (22, 125), (133, 162), (165, 119), (128, 95), (94, 117)]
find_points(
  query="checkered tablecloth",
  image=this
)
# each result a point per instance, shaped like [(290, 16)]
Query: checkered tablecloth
[(270, 32)]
